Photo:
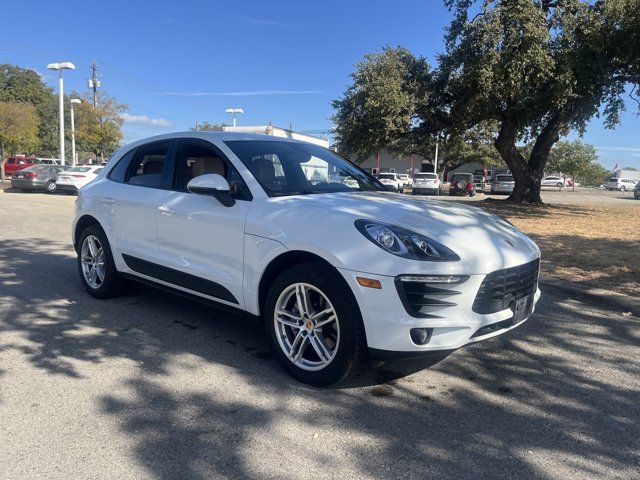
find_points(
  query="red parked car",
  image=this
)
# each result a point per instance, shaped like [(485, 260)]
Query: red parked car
[(13, 164)]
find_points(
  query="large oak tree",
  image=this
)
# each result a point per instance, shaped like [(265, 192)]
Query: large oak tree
[(540, 68)]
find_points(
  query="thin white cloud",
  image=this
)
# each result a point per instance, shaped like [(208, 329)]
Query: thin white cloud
[(145, 120), (262, 21), (618, 149), (250, 93)]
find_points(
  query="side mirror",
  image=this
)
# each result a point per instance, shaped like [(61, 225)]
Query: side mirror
[(213, 185)]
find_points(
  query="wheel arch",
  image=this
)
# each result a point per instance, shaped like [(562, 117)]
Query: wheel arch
[(83, 222), (283, 262)]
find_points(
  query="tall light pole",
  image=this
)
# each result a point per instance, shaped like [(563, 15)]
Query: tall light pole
[(435, 163), (234, 111), (60, 67), (74, 160)]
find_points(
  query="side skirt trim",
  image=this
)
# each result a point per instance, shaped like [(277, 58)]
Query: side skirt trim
[(181, 279)]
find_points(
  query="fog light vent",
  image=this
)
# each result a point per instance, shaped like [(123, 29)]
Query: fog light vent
[(421, 336)]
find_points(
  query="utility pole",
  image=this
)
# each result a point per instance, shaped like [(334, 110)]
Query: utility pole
[(94, 83)]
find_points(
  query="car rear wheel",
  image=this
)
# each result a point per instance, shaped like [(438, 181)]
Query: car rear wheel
[(314, 324), (96, 266), (50, 187), (623, 188)]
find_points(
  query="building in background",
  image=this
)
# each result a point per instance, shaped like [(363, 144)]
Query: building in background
[(388, 162), (278, 132)]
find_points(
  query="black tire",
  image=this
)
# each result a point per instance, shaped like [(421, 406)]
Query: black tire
[(112, 284), (472, 194), (351, 348), (623, 188), (50, 187), (437, 193), (559, 184)]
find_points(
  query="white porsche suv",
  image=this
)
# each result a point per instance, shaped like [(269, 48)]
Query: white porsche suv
[(338, 273)]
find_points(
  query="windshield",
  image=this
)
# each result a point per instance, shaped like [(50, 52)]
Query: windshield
[(430, 176), (295, 168), (504, 178)]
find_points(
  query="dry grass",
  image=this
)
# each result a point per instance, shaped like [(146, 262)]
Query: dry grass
[(592, 245)]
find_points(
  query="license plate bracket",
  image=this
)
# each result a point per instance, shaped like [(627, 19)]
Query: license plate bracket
[(522, 309)]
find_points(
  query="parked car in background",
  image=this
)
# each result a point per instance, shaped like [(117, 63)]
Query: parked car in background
[(37, 177), (350, 182), (407, 181), (622, 184), (13, 164), (235, 219), (554, 182), (426, 183), (503, 184), (49, 161), (479, 183), (75, 178), (391, 181), (636, 191), (462, 184)]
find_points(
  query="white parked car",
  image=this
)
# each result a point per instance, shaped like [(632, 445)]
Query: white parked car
[(407, 181), (391, 181), (337, 274), (75, 178), (622, 184), (426, 183), (555, 182)]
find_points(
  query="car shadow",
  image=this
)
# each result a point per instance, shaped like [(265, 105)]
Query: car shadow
[(560, 391)]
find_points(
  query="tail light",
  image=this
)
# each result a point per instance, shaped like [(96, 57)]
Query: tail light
[(79, 176), (31, 174)]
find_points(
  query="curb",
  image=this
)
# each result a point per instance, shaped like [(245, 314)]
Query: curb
[(620, 301)]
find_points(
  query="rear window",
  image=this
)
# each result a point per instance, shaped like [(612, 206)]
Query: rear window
[(431, 176), (504, 178), (79, 169), (388, 176), (37, 168)]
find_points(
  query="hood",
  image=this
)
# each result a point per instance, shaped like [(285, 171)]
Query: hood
[(484, 241)]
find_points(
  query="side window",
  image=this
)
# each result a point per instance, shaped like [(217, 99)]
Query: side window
[(147, 165), (119, 172), (196, 158), (11, 161)]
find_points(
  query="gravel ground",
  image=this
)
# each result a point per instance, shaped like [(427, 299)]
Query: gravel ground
[(153, 386)]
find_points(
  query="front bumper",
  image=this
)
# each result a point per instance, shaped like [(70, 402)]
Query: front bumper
[(387, 322)]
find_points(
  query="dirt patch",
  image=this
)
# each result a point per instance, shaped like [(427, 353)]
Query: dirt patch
[(592, 245)]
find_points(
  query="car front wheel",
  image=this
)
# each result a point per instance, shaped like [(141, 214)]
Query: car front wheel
[(315, 324)]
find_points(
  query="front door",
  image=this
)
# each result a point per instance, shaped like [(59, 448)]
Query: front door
[(200, 241)]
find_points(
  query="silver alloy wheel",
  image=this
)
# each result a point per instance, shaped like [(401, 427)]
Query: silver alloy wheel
[(93, 261), (307, 326), (51, 187)]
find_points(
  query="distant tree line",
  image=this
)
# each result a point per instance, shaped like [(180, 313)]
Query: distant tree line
[(514, 78), (29, 118)]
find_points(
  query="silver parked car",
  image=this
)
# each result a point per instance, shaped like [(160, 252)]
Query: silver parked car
[(503, 184), (38, 177)]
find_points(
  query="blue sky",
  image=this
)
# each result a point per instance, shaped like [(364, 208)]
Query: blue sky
[(175, 63)]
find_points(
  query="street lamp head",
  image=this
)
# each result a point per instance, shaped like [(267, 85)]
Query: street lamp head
[(61, 66), (75, 101), (234, 110)]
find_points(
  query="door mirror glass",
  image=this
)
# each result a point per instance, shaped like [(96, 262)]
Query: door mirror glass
[(214, 185)]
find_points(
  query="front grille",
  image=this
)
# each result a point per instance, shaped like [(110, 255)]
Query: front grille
[(501, 288), (425, 300)]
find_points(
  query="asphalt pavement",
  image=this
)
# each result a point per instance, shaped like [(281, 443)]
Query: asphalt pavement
[(154, 386)]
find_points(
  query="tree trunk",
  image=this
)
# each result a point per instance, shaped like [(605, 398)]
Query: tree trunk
[(527, 174)]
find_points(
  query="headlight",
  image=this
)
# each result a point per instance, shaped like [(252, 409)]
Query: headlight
[(405, 243)]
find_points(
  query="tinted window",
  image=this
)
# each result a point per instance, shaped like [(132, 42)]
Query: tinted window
[(386, 176), (504, 178), (147, 166), (426, 175), (11, 161), (119, 172), (80, 169), (297, 168), (198, 158)]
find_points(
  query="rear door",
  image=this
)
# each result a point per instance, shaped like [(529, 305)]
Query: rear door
[(201, 242)]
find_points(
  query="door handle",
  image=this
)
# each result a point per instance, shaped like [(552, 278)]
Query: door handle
[(164, 210), (108, 200)]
